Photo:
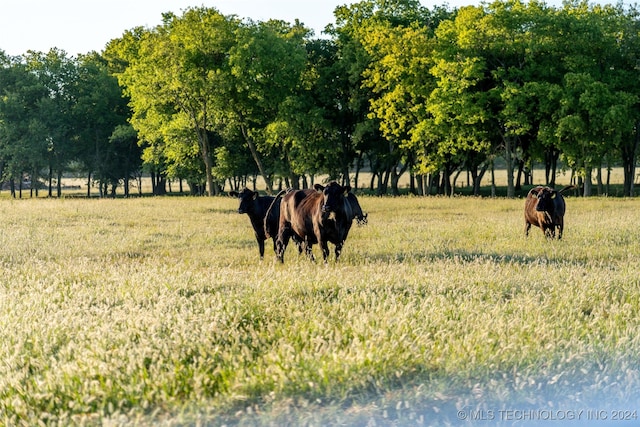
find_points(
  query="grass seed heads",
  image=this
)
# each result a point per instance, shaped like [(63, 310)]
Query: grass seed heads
[(159, 311)]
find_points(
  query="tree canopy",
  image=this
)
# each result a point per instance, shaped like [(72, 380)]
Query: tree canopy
[(394, 87)]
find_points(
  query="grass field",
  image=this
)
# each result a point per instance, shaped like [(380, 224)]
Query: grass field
[(158, 311)]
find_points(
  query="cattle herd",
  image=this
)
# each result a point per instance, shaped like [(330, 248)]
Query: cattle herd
[(324, 214)]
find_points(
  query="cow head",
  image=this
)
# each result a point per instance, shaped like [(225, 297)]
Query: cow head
[(362, 219), (356, 210), (333, 196), (546, 199), (247, 197)]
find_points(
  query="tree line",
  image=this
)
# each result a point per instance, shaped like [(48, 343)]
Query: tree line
[(395, 87), (61, 114)]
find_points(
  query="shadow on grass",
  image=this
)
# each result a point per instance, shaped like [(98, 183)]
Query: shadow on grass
[(467, 257)]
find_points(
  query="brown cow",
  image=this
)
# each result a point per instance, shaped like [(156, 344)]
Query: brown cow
[(320, 216), (545, 208)]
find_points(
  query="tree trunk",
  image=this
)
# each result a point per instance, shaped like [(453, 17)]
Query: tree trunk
[(395, 178), (551, 165), (476, 178), (357, 171), (629, 154), (383, 184), (599, 185), (294, 179), (493, 179), (508, 157), (59, 189), (588, 184), (518, 185), (205, 152), (161, 185), (51, 182), (256, 158), (453, 183), (153, 182)]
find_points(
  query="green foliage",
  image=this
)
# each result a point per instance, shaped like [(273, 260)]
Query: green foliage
[(267, 65), (397, 87), (55, 110), (176, 75), (158, 311), (100, 113)]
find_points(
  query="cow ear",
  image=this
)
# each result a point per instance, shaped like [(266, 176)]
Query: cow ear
[(234, 194), (318, 187), (533, 193), (346, 189), (554, 194)]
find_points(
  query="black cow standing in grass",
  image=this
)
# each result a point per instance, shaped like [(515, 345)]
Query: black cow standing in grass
[(545, 208), (356, 211), (256, 206), (321, 216), (264, 218)]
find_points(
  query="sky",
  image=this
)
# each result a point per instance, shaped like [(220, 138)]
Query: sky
[(81, 26)]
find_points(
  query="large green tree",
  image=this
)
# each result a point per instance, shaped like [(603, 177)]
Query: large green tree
[(36, 113), (465, 101), (369, 35), (402, 84), (599, 106), (99, 109), (20, 96), (176, 76), (267, 63)]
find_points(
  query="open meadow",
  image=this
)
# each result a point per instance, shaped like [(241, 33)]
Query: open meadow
[(158, 311)]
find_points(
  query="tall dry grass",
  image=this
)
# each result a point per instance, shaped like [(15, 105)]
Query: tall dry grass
[(158, 311)]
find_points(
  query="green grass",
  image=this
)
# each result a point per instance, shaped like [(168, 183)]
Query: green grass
[(159, 311)]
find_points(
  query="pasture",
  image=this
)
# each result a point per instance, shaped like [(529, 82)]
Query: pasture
[(158, 311)]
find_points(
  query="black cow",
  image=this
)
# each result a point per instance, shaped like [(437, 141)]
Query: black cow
[(321, 216), (256, 206), (545, 208), (356, 210)]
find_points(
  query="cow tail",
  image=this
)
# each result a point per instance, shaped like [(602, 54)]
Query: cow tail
[(273, 203), (567, 188)]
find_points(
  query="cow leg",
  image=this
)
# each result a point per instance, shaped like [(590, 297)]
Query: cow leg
[(560, 229), (325, 250), (338, 250), (260, 246), (283, 240), (527, 227), (308, 250), (299, 243)]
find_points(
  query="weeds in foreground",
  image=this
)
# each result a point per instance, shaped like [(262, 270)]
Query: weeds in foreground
[(158, 311)]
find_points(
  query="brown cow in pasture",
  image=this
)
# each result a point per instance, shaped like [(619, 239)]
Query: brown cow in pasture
[(545, 208), (321, 216)]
